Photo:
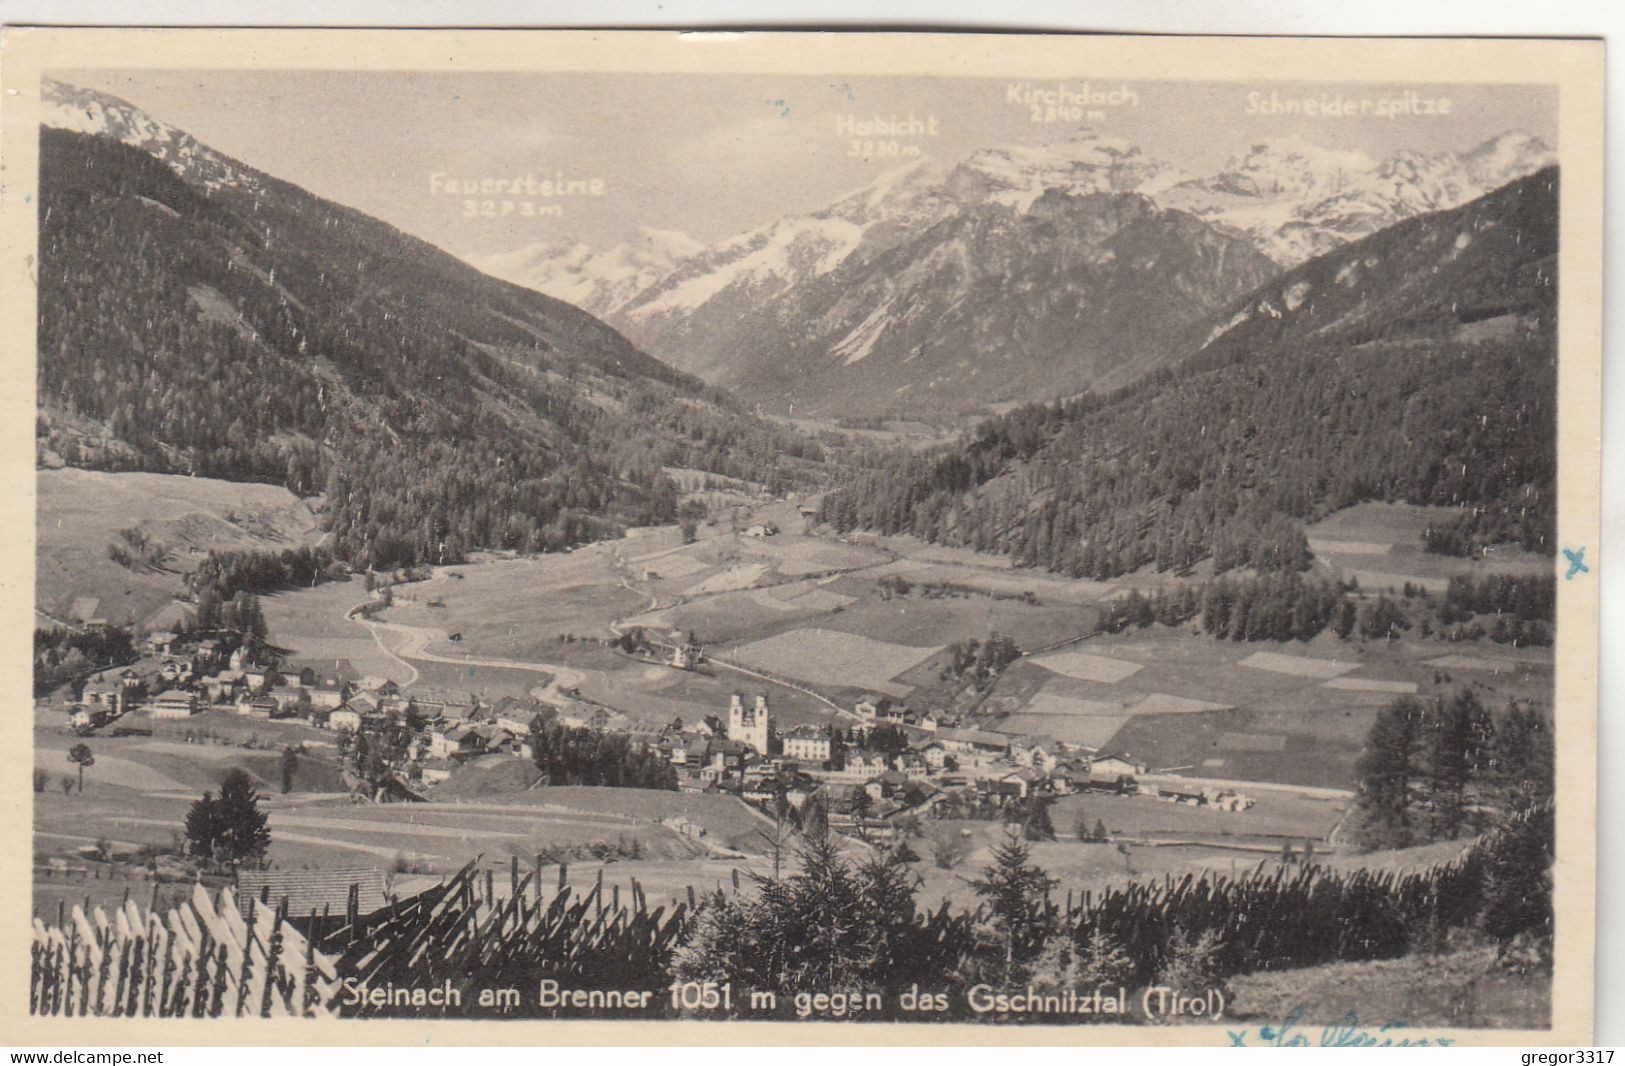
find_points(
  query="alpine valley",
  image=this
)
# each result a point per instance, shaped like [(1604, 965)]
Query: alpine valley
[(1048, 574)]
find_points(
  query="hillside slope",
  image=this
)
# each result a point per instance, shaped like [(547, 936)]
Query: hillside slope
[(199, 317), (1418, 364), (82, 514)]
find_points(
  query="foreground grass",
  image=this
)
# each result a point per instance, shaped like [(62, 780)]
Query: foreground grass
[(1464, 989)]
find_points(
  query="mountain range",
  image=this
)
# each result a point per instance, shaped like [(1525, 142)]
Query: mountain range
[(934, 290), (199, 316)]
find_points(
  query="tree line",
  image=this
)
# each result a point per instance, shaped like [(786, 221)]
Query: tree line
[(568, 755), (1441, 768), (1291, 606), (62, 654), (226, 573)]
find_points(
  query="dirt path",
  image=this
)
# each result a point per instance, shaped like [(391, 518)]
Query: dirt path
[(414, 644), (411, 642)]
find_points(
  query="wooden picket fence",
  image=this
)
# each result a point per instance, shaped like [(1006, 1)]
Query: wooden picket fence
[(467, 933), (200, 960)]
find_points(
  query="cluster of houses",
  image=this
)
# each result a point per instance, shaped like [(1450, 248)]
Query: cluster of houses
[(891, 761)]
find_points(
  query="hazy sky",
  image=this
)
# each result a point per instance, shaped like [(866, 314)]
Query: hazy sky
[(713, 155)]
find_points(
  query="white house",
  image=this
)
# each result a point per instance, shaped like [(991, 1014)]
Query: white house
[(1114, 765), (345, 720), (807, 744)]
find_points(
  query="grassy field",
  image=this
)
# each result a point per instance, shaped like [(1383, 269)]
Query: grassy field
[(1294, 713), (310, 625), (139, 788), (1274, 816), (518, 608), (1381, 545), (80, 513), (833, 658), (168, 763), (1394, 998)]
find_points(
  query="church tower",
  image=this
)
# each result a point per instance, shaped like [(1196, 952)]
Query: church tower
[(748, 725)]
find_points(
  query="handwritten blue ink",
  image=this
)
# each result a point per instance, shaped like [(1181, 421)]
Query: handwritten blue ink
[(843, 87), (1346, 1033), (784, 108), (1577, 563)]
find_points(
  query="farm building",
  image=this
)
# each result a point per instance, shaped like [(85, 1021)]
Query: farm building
[(303, 893), (175, 703), (1114, 765), (974, 740)]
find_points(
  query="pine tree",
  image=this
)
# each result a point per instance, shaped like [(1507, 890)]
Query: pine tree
[(203, 827), (1193, 962), (1037, 823), (1386, 771), (242, 832), (1017, 893), (1518, 883)]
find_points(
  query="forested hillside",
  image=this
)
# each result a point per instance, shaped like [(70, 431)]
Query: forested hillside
[(1416, 365), (255, 332)]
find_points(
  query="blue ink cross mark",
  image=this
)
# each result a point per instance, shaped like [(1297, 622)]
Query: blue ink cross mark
[(1577, 563)]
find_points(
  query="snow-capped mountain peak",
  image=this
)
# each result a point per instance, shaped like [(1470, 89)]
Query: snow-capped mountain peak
[(1089, 162), (1512, 154), (1296, 200), (69, 107), (600, 282)]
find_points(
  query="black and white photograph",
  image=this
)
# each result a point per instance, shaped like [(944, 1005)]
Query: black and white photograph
[(632, 541)]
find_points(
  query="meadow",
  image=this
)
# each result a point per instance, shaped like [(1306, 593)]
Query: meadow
[(1380, 545), (79, 514)]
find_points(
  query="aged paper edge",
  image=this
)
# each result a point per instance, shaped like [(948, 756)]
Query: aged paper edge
[(1575, 67)]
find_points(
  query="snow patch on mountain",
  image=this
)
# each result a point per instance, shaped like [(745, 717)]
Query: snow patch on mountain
[(69, 107), (599, 282), (1295, 200), (861, 341)]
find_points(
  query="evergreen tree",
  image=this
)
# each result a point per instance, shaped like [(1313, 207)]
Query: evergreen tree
[(1518, 884), (1037, 824), (231, 827), (1017, 894), (1344, 627), (1193, 961), (1386, 770), (290, 768), (203, 827)]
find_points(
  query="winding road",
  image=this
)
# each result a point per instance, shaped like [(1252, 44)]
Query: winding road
[(414, 644), (408, 642)]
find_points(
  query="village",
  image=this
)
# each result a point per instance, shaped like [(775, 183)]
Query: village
[(871, 769)]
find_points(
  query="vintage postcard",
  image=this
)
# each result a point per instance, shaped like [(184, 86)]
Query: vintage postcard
[(594, 537)]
